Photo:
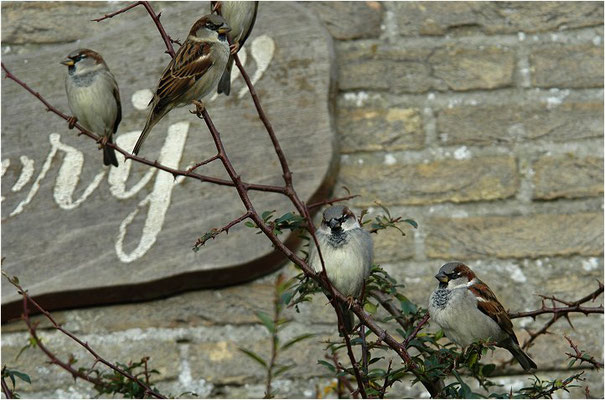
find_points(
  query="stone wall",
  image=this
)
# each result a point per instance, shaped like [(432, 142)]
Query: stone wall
[(481, 121)]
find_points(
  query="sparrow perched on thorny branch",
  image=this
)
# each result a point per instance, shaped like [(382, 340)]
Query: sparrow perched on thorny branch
[(347, 250), (467, 310), (193, 73), (93, 97), (240, 15)]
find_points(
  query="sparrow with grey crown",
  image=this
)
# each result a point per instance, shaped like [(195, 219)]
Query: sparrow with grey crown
[(240, 15), (347, 250), (93, 97), (193, 73), (467, 310)]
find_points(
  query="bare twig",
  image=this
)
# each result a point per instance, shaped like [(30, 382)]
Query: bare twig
[(215, 232), (559, 312), (196, 166)]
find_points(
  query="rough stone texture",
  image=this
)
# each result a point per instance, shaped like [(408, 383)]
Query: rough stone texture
[(422, 124), (567, 176), (573, 66), (448, 180), (380, 129), (28, 22), (373, 65), (464, 68), (346, 20), (391, 245), (467, 18), (485, 125), (525, 236)]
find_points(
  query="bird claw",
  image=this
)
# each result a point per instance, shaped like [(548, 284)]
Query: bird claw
[(71, 122), (350, 301), (234, 48), (199, 108), (103, 142)]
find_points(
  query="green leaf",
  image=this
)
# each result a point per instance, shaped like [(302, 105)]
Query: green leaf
[(407, 306), (286, 297), (282, 369), (266, 320), (250, 224), (296, 340), (254, 356), (370, 308), (488, 369), (411, 222), (375, 359), (327, 365), (22, 376), (266, 215)]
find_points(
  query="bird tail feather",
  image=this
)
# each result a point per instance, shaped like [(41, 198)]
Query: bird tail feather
[(155, 115), (348, 317), (109, 154), (527, 363)]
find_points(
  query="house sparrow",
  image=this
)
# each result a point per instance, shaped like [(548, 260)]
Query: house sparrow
[(347, 250), (193, 73), (240, 15), (93, 97), (466, 309)]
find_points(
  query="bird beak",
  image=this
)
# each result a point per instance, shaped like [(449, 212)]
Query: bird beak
[(224, 29), (69, 62), (441, 277), (334, 223)]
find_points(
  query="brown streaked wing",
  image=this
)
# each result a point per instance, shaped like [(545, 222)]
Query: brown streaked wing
[(190, 63), (492, 308)]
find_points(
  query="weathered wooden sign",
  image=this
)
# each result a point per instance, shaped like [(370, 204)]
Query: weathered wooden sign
[(78, 233)]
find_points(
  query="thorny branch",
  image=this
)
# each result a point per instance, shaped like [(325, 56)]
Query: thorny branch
[(579, 355), (51, 356), (27, 299), (342, 379), (215, 232), (559, 312)]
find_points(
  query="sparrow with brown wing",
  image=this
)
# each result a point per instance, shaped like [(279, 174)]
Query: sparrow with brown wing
[(240, 15), (93, 97), (467, 310), (193, 73)]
